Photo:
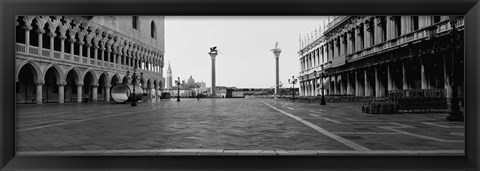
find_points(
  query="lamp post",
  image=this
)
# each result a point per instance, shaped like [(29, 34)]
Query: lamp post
[(455, 113), (134, 83), (323, 96), (293, 85), (178, 87)]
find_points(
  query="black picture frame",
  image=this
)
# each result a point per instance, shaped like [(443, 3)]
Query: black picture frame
[(10, 8)]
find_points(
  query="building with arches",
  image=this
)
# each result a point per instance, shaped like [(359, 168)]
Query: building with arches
[(371, 55), (70, 58)]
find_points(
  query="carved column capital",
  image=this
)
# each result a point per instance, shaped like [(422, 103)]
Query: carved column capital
[(39, 82), (62, 83)]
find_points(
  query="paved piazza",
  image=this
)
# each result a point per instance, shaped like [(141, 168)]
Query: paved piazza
[(251, 126)]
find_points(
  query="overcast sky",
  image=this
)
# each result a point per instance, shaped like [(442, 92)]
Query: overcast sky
[(244, 43)]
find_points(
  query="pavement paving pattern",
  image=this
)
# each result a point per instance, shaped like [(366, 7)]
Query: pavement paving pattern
[(251, 126)]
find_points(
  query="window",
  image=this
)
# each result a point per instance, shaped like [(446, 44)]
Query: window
[(135, 22), (152, 30), (415, 23), (436, 19)]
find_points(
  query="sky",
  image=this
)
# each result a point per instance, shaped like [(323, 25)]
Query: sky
[(244, 44)]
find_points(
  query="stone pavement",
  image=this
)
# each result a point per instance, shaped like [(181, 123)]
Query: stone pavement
[(231, 127)]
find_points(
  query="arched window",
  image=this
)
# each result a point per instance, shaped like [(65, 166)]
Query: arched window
[(153, 30), (135, 22)]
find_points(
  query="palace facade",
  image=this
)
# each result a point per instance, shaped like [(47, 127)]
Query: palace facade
[(371, 55), (72, 58)]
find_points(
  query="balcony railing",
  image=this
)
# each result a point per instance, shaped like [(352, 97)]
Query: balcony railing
[(75, 59)]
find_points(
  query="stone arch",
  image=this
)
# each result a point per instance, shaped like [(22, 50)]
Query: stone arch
[(41, 20), (59, 74), (103, 82), (36, 26), (26, 88), (94, 75), (38, 75), (79, 75), (53, 77), (115, 79), (155, 84)]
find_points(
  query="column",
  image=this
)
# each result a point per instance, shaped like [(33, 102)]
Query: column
[(395, 30), (27, 36), (119, 59), (343, 45), (107, 92), (366, 35), (349, 86), (422, 21), (108, 56), (335, 89), (79, 93), (378, 92), (115, 56), (341, 80), (428, 20), (80, 48), (61, 92), (310, 88), (423, 75), (388, 21), (314, 85), (357, 84), (301, 88), (377, 30), (367, 85), (40, 39), (335, 48), (448, 86), (102, 54), (95, 92), (403, 23), (389, 79), (88, 51), (357, 45), (52, 40), (95, 53), (62, 43), (404, 77), (307, 89), (39, 96), (71, 48)]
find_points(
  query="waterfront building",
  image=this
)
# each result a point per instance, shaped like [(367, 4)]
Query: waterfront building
[(75, 58)]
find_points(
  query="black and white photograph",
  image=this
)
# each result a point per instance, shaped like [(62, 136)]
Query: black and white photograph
[(240, 85)]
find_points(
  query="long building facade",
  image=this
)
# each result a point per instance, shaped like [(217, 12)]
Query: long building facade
[(63, 59), (371, 55)]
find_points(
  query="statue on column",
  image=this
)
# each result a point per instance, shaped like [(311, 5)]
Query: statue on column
[(213, 49)]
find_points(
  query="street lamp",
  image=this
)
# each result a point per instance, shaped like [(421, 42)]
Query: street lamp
[(293, 85), (178, 86), (321, 80), (134, 83), (455, 113)]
